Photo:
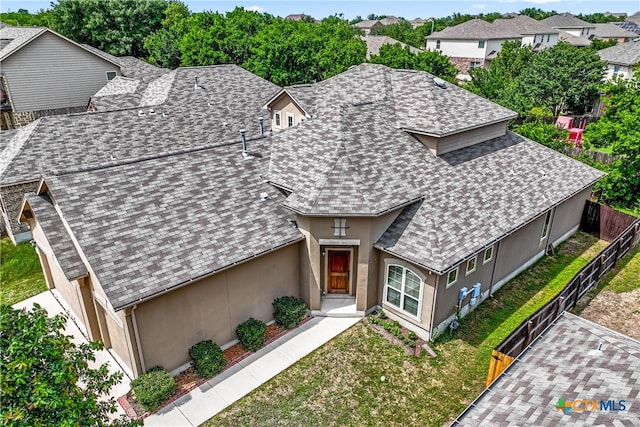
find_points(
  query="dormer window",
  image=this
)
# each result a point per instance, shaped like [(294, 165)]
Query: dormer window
[(276, 119), (290, 120)]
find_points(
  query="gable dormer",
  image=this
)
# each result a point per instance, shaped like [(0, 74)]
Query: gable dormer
[(285, 111)]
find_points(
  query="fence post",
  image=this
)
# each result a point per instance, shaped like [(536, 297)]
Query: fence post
[(615, 258), (578, 286)]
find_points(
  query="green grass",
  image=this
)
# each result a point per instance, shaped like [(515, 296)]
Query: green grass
[(20, 272), (339, 384)]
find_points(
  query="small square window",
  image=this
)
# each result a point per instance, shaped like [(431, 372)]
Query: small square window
[(488, 255), (480, 44), (452, 277), (340, 227), (111, 75), (471, 265), (276, 118)]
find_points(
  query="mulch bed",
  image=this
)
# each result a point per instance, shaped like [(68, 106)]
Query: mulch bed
[(188, 379)]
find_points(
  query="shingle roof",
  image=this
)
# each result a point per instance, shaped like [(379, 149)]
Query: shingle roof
[(522, 25), (65, 252), (574, 40), (624, 54), (118, 86), (229, 100), (566, 20), (366, 24), (635, 18), (374, 43), (484, 191), (574, 359), (128, 218), (609, 30), (474, 29)]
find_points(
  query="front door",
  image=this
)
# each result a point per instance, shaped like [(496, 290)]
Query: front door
[(339, 263)]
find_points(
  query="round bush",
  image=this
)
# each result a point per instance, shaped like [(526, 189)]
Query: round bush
[(288, 311), (153, 388), (207, 358), (252, 334)]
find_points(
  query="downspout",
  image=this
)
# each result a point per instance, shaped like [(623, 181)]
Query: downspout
[(493, 269), (137, 335), (433, 306)]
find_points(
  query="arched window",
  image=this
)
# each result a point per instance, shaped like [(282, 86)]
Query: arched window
[(403, 289)]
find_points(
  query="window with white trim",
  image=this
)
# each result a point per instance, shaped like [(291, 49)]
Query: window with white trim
[(403, 289), (545, 227), (480, 44), (471, 265), (111, 75), (290, 120), (452, 277), (488, 255), (616, 70), (276, 119), (437, 44), (475, 64)]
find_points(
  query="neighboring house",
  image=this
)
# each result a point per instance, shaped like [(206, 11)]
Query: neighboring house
[(574, 40), (561, 380), (473, 44), (298, 17), (568, 23), (170, 108), (367, 25), (419, 22), (398, 191), (375, 42), (635, 18), (609, 31), (629, 26), (390, 20), (44, 73), (621, 59)]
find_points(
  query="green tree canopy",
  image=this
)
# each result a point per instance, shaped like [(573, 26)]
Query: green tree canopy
[(163, 46), (118, 27), (396, 56), (22, 18), (291, 52), (537, 13), (45, 378)]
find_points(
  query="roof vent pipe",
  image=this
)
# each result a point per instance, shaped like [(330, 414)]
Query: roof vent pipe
[(244, 143), (261, 120), (195, 86)]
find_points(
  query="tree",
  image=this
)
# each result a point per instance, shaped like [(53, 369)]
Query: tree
[(600, 18), (22, 18), (536, 13), (118, 27), (602, 44), (291, 52), (396, 56), (164, 45), (45, 378), (619, 129), (563, 78)]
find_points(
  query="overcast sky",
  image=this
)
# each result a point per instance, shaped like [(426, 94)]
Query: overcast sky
[(405, 9)]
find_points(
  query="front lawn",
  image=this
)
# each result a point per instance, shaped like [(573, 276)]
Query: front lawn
[(340, 383), (20, 272)]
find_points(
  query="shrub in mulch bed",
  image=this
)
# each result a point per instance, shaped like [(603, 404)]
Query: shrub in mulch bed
[(288, 311), (252, 334), (189, 379), (207, 358), (153, 388)]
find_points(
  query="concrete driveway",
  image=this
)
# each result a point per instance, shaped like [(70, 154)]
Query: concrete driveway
[(50, 301)]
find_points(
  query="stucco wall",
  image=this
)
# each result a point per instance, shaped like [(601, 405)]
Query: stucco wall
[(213, 307), (285, 106), (567, 216)]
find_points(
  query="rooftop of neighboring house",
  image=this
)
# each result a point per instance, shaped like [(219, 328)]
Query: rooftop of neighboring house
[(226, 100), (390, 20), (297, 17), (374, 43), (367, 24), (358, 156), (566, 21), (623, 54), (132, 67), (127, 218), (635, 18), (612, 31), (574, 40), (13, 38), (574, 359), (629, 26), (504, 28)]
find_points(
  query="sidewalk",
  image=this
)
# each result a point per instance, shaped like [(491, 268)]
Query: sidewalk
[(221, 391)]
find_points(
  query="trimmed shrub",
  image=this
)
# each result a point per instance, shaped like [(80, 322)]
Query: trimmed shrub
[(207, 358), (153, 388), (288, 311), (252, 334)]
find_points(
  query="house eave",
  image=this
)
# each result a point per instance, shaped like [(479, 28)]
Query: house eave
[(461, 130)]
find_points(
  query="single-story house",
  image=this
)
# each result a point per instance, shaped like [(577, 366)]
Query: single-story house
[(387, 188)]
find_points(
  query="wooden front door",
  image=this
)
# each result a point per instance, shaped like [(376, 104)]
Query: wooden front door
[(339, 264)]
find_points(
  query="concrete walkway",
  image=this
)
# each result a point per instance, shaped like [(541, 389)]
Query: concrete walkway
[(50, 301), (221, 391)]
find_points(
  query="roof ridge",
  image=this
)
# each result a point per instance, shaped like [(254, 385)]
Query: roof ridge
[(7, 159)]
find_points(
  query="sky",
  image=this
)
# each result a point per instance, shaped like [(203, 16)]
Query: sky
[(406, 9)]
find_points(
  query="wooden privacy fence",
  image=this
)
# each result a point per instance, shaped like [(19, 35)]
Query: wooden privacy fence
[(588, 277), (604, 222), (598, 156)]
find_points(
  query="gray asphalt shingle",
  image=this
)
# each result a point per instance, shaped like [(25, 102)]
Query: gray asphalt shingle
[(623, 54), (130, 219)]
